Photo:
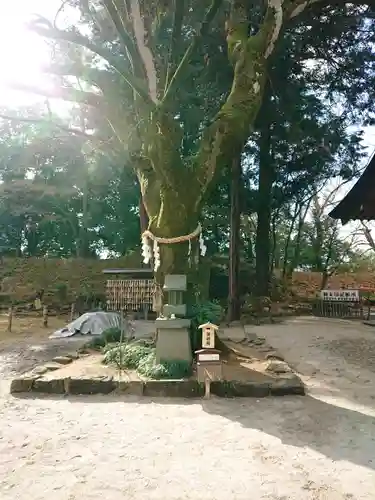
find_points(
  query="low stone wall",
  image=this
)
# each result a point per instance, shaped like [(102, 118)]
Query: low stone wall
[(37, 382), (156, 388)]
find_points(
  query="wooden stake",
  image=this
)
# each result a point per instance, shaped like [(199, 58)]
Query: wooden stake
[(145, 312), (10, 318), (72, 311), (45, 316), (207, 388)]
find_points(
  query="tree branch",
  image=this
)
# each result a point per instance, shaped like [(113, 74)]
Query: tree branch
[(368, 235), (208, 18), (124, 36), (178, 17), (233, 123), (144, 51), (48, 31), (69, 130), (65, 93), (101, 79), (295, 8)]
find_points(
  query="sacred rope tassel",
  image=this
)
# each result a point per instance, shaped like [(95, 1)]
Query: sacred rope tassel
[(202, 245), (156, 256), (147, 253), (146, 250)]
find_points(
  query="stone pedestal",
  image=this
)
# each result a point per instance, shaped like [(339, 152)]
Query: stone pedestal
[(173, 340)]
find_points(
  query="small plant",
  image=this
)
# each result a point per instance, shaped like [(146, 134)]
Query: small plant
[(97, 343), (109, 336), (126, 355), (178, 368), (141, 356)]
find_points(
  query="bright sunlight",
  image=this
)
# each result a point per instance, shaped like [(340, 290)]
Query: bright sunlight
[(22, 53)]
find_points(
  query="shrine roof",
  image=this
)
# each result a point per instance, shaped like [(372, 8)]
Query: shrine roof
[(359, 203)]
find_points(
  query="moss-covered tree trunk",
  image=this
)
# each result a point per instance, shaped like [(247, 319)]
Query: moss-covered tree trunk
[(172, 212)]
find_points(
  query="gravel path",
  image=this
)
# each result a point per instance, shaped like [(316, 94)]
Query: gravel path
[(318, 447)]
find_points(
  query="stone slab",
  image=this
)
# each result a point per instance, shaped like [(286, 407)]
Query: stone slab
[(131, 387), (173, 388), (95, 385), (49, 386), (287, 386), (22, 384), (173, 344), (172, 324), (52, 366), (63, 360), (229, 389)]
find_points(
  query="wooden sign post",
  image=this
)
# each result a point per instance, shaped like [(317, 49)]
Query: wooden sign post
[(45, 316), (209, 364)]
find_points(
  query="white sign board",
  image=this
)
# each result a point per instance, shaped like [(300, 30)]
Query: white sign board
[(208, 338), (209, 357), (340, 295)]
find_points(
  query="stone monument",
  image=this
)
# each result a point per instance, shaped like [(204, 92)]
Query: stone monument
[(173, 335)]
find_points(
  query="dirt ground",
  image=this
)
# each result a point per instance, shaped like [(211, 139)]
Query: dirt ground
[(317, 447), (27, 345)]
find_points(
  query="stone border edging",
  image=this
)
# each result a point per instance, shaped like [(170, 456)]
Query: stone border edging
[(153, 388), (285, 382)]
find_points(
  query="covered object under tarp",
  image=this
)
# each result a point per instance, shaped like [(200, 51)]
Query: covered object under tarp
[(91, 323)]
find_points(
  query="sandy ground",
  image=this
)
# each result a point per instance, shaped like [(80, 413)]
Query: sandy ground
[(318, 447)]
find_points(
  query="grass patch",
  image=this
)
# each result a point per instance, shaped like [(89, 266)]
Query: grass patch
[(142, 358)]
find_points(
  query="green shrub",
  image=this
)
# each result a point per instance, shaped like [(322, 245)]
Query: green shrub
[(141, 356), (96, 343), (126, 355), (112, 335)]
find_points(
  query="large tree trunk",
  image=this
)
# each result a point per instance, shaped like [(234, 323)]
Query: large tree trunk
[(173, 212), (234, 304)]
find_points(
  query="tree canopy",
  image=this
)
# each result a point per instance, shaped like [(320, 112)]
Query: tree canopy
[(165, 94)]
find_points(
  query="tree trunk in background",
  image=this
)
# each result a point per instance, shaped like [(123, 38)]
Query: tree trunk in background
[(266, 177), (143, 218), (234, 304), (325, 277)]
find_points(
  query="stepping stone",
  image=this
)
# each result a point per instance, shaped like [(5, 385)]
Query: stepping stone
[(63, 360), (278, 367), (52, 366)]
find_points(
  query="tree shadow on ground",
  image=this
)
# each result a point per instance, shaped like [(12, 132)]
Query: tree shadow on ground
[(335, 432), (301, 421)]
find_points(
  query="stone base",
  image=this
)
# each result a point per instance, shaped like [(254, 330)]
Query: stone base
[(154, 388), (173, 344)]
